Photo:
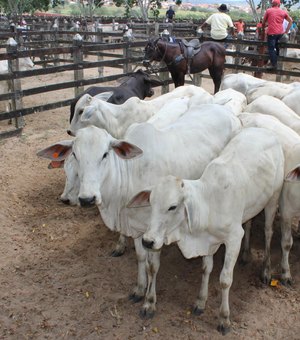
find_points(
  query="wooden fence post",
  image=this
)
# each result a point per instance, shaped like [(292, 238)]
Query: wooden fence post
[(148, 29), (65, 27), (237, 60), (99, 40), (156, 29), (15, 84), (127, 53), (55, 41), (197, 79), (280, 64), (78, 59)]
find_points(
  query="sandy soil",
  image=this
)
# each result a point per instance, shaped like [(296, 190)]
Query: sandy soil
[(58, 280)]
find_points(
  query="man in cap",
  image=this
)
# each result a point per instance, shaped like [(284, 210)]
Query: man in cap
[(274, 17), (219, 23)]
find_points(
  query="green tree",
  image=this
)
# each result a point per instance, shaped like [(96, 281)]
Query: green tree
[(18, 7), (264, 4), (145, 5), (89, 8)]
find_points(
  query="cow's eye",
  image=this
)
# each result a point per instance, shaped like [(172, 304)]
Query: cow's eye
[(80, 112), (172, 207), (73, 153), (105, 155)]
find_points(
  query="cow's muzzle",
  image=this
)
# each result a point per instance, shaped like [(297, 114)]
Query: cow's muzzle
[(146, 63), (87, 202), (69, 132), (147, 244)]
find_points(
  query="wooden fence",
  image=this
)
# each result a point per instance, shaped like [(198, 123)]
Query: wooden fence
[(61, 51)]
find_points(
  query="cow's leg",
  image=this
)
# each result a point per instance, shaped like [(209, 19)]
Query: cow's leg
[(120, 246), (286, 245), (298, 230), (207, 266), (139, 290), (246, 253), (270, 212), (152, 266), (233, 245)]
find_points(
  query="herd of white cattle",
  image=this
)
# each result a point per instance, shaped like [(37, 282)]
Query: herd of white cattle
[(191, 168)]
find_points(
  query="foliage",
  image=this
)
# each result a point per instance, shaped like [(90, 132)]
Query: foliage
[(135, 12), (145, 5), (286, 3), (18, 7), (264, 4)]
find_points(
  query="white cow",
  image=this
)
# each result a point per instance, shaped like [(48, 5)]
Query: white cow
[(277, 90), (109, 178), (117, 118), (200, 215), (24, 65), (292, 53), (240, 82), (169, 112), (255, 87), (292, 100), (289, 204), (232, 99), (275, 107)]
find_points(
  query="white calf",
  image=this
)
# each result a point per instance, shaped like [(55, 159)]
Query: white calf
[(234, 100), (240, 82), (201, 215), (275, 107), (289, 204)]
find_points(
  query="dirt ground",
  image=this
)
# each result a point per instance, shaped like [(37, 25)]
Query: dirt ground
[(58, 280)]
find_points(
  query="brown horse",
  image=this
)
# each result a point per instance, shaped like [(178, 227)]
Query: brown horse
[(211, 56)]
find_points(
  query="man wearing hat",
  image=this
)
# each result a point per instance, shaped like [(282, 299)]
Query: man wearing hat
[(274, 17), (219, 23)]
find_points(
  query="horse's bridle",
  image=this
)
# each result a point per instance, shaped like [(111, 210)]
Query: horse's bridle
[(156, 50)]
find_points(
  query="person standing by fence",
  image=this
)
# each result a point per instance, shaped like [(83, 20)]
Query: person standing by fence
[(240, 28), (220, 23), (170, 14), (274, 17)]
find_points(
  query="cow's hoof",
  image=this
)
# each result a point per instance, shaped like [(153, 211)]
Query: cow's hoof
[(117, 253), (266, 278), (135, 298), (288, 282), (197, 311), (65, 201), (146, 313), (223, 330)]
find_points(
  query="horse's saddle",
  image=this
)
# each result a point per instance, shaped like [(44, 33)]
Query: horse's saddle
[(190, 49)]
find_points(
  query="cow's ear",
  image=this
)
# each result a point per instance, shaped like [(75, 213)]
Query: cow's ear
[(126, 150), (104, 95), (142, 199), (56, 164), (153, 81), (293, 175), (87, 113), (57, 152), (189, 213)]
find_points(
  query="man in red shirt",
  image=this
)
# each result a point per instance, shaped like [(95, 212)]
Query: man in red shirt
[(240, 27), (274, 16)]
